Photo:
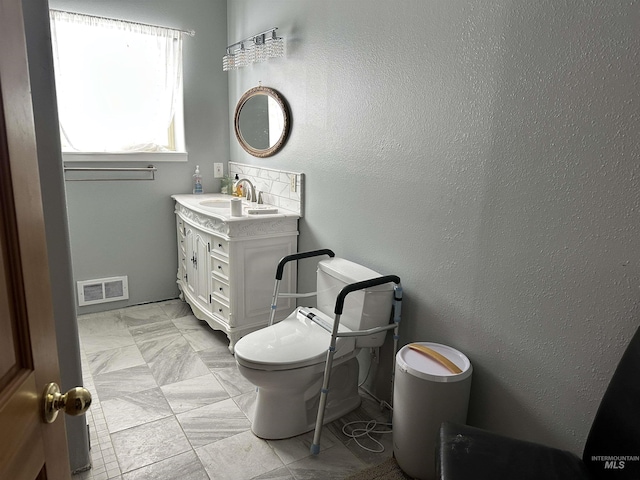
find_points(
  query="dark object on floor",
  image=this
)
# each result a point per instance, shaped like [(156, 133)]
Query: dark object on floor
[(612, 449), (387, 470)]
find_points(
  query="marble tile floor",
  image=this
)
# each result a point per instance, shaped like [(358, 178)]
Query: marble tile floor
[(169, 402)]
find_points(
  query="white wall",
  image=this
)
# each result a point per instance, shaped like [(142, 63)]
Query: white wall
[(128, 227), (487, 153)]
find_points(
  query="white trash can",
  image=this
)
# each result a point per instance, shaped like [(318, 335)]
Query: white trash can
[(425, 394)]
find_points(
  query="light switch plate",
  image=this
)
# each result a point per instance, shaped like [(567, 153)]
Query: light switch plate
[(218, 170), (294, 183)]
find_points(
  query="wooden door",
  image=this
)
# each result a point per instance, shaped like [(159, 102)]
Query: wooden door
[(29, 447)]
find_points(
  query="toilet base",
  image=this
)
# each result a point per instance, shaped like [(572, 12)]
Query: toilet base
[(283, 413)]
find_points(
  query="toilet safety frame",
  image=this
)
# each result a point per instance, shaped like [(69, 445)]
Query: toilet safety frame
[(333, 329)]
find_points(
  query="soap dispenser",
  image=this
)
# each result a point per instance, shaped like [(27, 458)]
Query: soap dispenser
[(197, 181), (237, 189)]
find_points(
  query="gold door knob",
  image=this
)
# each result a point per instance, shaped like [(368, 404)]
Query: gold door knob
[(75, 402)]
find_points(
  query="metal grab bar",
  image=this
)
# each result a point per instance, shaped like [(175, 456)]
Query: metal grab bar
[(324, 391), (279, 271), (299, 256), (361, 286), (297, 295), (151, 169), (333, 329), (354, 333)]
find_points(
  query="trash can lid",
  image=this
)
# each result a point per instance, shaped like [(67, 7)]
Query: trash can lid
[(423, 366)]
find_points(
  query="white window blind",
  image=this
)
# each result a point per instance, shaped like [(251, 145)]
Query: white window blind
[(119, 85)]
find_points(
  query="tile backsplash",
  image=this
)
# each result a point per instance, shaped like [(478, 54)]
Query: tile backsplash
[(275, 185)]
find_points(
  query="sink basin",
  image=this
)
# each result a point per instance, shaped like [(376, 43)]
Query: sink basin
[(249, 209), (216, 203)]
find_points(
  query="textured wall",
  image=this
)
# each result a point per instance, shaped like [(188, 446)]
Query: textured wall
[(486, 152)]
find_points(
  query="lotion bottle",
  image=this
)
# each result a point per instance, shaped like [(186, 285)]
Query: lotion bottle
[(197, 181), (237, 189)]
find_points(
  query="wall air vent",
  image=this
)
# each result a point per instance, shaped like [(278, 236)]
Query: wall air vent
[(102, 290)]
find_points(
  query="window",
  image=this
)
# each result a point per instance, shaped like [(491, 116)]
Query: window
[(119, 85)]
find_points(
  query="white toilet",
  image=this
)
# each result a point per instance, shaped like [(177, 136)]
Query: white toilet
[(286, 360)]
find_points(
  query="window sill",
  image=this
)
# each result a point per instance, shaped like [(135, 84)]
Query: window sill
[(147, 157)]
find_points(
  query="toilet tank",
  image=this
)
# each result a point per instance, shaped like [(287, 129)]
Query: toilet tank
[(363, 309)]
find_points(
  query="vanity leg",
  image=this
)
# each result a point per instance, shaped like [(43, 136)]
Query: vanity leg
[(233, 338)]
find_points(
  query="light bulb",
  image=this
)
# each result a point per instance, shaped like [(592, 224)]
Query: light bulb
[(259, 48), (260, 54), (275, 47), (229, 62), (241, 57)]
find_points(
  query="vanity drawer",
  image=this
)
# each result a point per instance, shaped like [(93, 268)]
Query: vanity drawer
[(219, 309), (219, 245), (219, 289), (220, 267)]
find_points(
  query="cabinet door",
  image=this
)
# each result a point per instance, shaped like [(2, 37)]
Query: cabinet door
[(182, 251), (202, 267), (190, 267), (255, 268)]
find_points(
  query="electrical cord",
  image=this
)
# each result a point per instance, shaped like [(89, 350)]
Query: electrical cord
[(370, 425), (367, 431), (368, 373)]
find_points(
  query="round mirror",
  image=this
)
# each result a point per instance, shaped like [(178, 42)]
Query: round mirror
[(262, 121)]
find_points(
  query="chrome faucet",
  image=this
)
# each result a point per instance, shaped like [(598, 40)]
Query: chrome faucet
[(251, 193)]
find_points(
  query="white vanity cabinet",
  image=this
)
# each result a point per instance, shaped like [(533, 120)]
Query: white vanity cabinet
[(227, 265)]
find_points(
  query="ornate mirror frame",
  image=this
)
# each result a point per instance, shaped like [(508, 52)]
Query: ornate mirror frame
[(285, 113)]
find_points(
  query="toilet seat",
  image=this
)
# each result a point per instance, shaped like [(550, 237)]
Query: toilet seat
[(294, 342)]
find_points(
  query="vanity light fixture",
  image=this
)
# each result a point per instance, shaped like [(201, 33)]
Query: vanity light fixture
[(256, 48)]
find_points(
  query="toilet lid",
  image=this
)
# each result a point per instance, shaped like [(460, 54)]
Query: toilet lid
[(294, 342)]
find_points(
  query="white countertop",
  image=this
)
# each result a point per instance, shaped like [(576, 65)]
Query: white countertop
[(194, 202)]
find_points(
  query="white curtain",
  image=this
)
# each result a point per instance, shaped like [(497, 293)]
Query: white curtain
[(117, 83)]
